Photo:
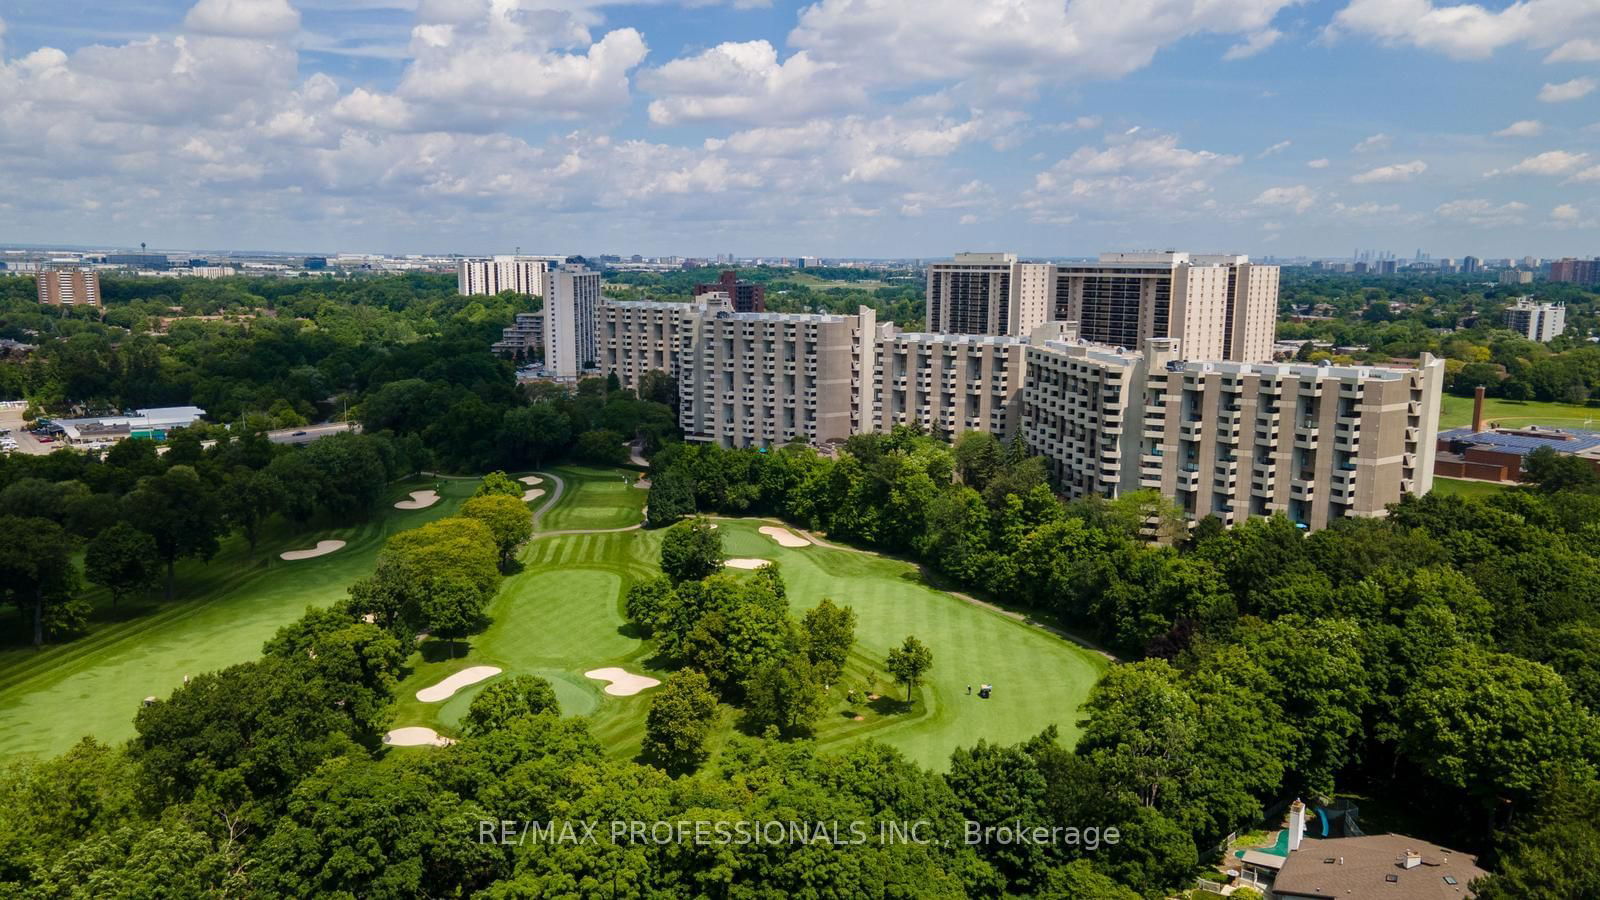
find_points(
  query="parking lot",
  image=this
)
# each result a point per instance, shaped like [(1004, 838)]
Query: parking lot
[(11, 420)]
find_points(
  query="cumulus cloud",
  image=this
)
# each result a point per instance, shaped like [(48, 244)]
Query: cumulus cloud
[(1298, 197), (1466, 30), (1566, 91), (1552, 162), (243, 18), (1131, 173), (1013, 40), (1566, 212), (1391, 174), (1577, 50), (1318, 164), (1590, 174), (1253, 44), (1483, 213), (1524, 128), (746, 82), (1378, 141)]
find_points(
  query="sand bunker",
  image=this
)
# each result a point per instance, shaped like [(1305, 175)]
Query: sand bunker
[(419, 500), (740, 562), (531, 479), (623, 683), (456, 682), (784, 536), (323, 548), (534, 494), (416, 736), (642, 483)]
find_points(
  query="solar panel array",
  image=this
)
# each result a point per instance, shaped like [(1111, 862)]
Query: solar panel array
[(1522, 444)]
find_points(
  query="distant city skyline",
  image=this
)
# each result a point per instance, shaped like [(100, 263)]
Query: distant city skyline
[(832, 128)]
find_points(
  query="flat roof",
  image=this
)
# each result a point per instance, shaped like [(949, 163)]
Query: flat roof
[(1570, 441)]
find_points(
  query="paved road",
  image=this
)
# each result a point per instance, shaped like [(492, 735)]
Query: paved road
[(307, 434)]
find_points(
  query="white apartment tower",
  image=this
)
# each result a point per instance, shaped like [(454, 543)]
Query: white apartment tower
[(1218, 307), (487, 277), (1541, 322), (571, 304), (988, 293)]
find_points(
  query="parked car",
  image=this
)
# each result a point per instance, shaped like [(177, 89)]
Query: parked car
[(47, 440), (298, 434)]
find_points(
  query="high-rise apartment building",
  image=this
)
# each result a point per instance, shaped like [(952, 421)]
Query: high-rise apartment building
[(639, 336), (487, 277), (746, 296), (760, 379), (1470, 265), (1575, 271), (1229, 439), (1516, 276), (945, 383), (69, 286), (1218, 307), (987, 293), (571, 304), (1536, 321)]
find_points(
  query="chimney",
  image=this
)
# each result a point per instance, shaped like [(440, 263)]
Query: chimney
[(1477, 409), (1413, 859), (1297, 824)]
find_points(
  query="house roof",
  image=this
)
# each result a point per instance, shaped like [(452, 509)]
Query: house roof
[(1362, 866)]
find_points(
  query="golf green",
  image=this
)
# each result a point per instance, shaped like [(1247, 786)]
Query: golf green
[(562, 615), (222, 613)]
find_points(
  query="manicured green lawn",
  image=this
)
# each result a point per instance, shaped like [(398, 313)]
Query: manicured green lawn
[(223, 612), (1456, 412), (594, 499), (1463, 487), (562, 616)]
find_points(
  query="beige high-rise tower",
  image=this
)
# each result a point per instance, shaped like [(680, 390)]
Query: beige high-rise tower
[(988, 293)]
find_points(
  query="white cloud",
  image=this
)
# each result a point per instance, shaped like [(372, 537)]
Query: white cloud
[(1552, 162), (1130, 174), (1298, 197), (1524, 128), (1253, 44), (746, 82), (243, 18), (1566, 212), (1378, 141), (1483, 213), (1566, 91), (1318, 163), (1467, 30), (1590, 174), (1391, 174), (1576, 50), (1279, 147), (905, 41), (368, 109)]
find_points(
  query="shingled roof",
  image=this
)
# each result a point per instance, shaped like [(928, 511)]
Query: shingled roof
[(1375, 866)]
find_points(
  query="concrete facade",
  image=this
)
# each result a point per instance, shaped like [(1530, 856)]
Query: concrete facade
[(571, 306), (487, 277), (987, 293), (69, 287), (946, 383), (1541, 322)]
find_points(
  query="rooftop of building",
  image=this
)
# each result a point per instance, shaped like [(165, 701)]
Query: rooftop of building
[(1523, 441), (938, 337), (1297, 370), (1375, 865)]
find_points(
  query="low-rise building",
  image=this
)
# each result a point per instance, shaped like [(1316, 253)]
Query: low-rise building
[(152, 423), (524, 339)]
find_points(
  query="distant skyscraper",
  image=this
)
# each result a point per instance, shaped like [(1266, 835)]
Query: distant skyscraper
[(487, 277), (1470, 264), (69, 287), (571, 297)]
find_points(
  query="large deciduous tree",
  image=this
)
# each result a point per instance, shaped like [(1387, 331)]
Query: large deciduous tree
[(909, 662), (123, 560), (680, 719), (180, 512), (691, 551), (508, 518)]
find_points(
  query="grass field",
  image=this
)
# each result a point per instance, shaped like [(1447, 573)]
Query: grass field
[(562, 615), (222, 613), (1456, 412), (1463, 487), (605, 501)]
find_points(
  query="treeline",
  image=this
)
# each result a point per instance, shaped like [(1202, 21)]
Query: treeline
[(135, 513), (1443, 657), (901, 303)]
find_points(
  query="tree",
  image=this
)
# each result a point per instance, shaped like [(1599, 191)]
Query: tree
[(1555, 472), (180, 512), (248, 498), (508, 518), (691, 551), (830, 631), (123, 560), (784, 693), (602, 448), (908, 662), (531, 434), (498, 482), (647, 603), (671, 498), (506, 700), (36, 571), (452, 608), (681, 715)]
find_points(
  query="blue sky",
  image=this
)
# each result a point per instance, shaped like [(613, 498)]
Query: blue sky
[(834, 127)]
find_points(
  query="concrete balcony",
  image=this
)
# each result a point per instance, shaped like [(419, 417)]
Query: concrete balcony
[(1191, 431), (1303, 489), (1188, 481)]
